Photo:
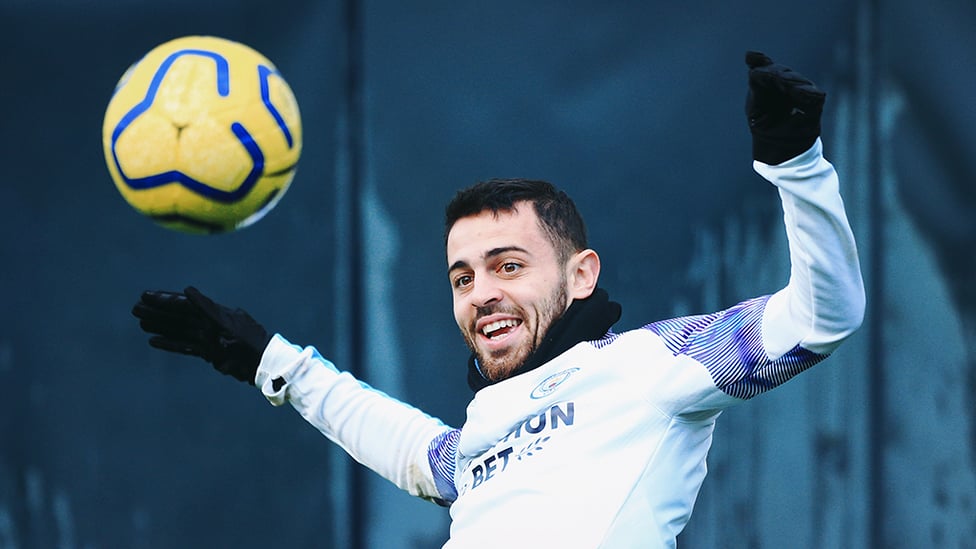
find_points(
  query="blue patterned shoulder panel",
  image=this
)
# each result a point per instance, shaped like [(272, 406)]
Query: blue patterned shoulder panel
[(729, 344), (442, 456)]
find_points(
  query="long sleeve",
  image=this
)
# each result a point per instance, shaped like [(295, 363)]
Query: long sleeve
[(763, 342), (823, 303), (391, 438)]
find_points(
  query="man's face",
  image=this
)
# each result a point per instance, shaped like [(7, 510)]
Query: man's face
[(508, 286)]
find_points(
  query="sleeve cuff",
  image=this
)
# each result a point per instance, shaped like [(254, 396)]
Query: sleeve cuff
[(280, 364)]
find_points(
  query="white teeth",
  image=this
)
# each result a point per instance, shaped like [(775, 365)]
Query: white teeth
[(498, 325)]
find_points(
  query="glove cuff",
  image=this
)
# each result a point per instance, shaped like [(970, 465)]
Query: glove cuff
[(777, 150)]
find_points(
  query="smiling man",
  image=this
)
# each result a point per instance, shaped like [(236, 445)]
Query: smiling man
[(576, 436), (513, 273)]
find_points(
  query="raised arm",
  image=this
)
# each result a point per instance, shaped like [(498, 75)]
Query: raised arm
[(824, 300), (763, 342)]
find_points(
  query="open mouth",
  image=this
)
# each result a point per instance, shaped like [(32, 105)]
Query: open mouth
[(500, 328)]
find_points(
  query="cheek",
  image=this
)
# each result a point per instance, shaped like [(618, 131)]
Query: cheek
[(459, 317)]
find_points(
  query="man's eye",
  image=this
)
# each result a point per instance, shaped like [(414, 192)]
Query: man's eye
[(510, 268), (462, 281)]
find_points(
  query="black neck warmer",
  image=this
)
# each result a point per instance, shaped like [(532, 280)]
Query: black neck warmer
[(585, 320)]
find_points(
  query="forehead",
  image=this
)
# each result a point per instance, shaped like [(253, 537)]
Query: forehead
[(473, 236)]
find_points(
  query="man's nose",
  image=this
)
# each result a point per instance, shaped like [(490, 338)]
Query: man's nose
[(486, 292)]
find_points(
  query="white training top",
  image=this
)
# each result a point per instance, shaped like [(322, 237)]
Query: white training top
[(605, 445)]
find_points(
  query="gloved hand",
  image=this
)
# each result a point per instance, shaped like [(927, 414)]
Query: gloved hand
[(783, 108), (190, 323)]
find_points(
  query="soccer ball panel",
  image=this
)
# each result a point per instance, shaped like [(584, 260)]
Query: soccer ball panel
[(148, 146)]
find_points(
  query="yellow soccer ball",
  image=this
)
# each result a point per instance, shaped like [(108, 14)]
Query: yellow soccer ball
[(202, 135)]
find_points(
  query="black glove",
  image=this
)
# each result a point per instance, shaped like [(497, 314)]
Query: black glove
[(783, 108), (192, 324)]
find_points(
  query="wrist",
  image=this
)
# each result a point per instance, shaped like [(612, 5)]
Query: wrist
[(776, 150)]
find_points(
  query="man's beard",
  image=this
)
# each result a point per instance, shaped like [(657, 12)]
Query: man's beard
[(501, 365)]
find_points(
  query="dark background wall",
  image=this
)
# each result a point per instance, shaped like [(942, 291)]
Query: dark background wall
[(635, 108)]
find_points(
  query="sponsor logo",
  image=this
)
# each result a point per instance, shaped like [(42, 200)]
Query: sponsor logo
[(537, 431), (551, 383)]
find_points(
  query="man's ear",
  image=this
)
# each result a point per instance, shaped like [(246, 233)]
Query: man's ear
[(583, 271)]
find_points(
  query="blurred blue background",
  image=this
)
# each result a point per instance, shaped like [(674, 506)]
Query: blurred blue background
[(635, 108)]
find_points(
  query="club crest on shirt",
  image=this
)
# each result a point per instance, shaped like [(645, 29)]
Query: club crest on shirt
[(552, 382)]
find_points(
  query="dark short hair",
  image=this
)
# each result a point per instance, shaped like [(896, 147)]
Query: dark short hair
[(555, 209)]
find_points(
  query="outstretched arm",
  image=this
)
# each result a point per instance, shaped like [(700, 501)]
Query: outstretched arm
[(397, 441), (392, 438)]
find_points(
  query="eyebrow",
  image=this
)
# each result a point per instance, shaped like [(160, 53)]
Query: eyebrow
[(494, 252)]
